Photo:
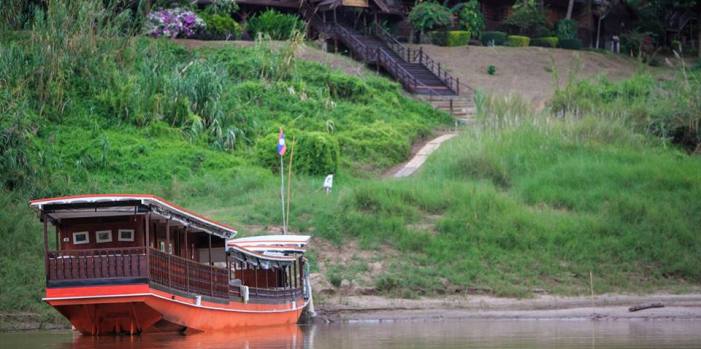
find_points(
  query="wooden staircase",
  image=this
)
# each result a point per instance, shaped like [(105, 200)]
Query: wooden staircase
[(418, 73)]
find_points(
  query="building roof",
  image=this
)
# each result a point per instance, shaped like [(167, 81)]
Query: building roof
[(104, 205)]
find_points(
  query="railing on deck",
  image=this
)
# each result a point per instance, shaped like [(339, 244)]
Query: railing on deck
[(158, 267), (188, 275), (271, 293), (106, 263)]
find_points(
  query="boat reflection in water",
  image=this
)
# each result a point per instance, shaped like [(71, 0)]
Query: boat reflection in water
[(288, 336)]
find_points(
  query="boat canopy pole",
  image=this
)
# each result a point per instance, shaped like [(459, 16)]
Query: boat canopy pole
[(46, 243)]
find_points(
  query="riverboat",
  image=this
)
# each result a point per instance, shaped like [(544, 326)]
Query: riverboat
[(129, 264)]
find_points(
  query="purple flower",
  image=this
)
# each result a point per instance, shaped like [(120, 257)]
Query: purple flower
[(173, 23)]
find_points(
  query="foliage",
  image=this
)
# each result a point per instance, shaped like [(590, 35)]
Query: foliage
[(491, 69), (471, 18), (637, 44), (493, 38), (520, 201), (548, 41), (222, 7), (518, 41), (315, 153), (450, 37), (526, 17), (570, 44), (172, 23), (668, 109), (221, 26), (429, 15), (566, 29), (224, 99), (276, 25)]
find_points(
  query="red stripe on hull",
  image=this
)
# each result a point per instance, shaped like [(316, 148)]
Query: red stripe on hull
[(97, 310)]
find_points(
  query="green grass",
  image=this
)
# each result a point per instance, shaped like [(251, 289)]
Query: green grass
[(525, 200)]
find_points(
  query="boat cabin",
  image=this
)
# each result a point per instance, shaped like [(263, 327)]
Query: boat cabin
[(120, 240)]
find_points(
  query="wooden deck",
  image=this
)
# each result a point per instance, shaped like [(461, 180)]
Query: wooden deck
[(114, 266)]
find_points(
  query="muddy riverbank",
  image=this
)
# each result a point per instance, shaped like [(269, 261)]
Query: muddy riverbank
[(602, 307)]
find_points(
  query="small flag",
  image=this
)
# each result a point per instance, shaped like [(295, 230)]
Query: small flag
[(281, 147)]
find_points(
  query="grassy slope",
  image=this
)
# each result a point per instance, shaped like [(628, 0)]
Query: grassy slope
[(509, 209)]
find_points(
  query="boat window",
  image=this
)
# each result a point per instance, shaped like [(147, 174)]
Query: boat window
[(103, 236), (126, 234), (81, 237)]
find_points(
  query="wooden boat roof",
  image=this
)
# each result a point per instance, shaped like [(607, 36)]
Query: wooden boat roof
[(104, 205), (272, 243), (267, 249)]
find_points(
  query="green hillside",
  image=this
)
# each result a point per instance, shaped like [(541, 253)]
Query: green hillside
[(524, 200)]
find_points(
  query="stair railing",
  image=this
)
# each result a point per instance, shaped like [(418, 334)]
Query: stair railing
[(354, 43), (383, 59), (417, 56)]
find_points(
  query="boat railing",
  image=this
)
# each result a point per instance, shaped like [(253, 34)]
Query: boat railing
[(154, 266), (106, 263), (274, 293), (187, 275)]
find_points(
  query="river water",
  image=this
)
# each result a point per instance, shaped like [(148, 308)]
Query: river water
[(525, 334)]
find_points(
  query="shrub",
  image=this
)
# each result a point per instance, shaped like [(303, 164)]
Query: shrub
[(173, 23), (491, 69), (471, 18), (542, 31), (315, 153), (549, 41), (278, 26), (518, 40), (493, 38), (450, 38), (526, 17), (696, 66), (429, 15), (223, 7), (566, 29), (571, 44), (346, 87), (221, 26)]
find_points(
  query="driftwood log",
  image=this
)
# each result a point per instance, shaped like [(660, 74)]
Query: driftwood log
[(645, 306)]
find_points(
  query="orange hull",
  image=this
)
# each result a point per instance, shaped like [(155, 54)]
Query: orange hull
[(97, 310)]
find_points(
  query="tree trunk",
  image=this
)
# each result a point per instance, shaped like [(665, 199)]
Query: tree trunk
[(570, 7), (698, 24)]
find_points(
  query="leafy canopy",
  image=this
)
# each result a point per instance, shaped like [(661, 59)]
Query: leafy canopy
[(430, 15), (471, 18), (526, 18)]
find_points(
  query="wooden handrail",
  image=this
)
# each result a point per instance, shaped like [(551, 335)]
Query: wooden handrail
[(417, 57)]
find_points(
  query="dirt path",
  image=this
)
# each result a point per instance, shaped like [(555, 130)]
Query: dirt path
[(411, 166), (605, 307)]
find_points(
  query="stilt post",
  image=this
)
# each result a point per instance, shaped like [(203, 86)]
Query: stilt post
[(46, 245), (147, 242), (211, 275), (167, 246), (187, 265)]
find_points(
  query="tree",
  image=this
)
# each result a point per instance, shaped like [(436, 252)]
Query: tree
[(570, 8), (527, 17), (471, 18), (429, 15), (652, 14)]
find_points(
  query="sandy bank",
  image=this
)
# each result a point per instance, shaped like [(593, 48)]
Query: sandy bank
[(605, 307)]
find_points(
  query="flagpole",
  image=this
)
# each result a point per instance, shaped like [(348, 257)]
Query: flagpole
[(289, 182), (282, 195)]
